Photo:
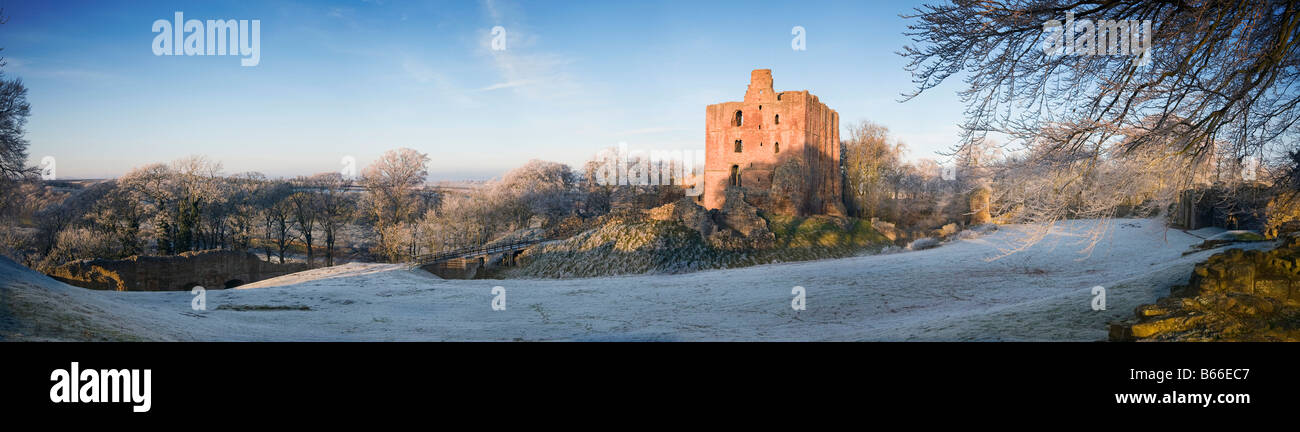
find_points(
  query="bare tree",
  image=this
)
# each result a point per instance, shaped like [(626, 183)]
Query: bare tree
[(120, 214), (14, 111), (280, 224), (335, 208), (1213, 75), (597, 198), (870, 158), (197, 188), (303, 206), (245, 207), (275, 218)]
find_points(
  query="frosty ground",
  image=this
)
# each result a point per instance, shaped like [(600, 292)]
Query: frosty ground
[(951, 293)]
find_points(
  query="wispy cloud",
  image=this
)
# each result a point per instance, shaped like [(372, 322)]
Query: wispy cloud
[(418, 70), (522, 67), (490, 6), (346, 15), (421, 72), (27, 68), (509, 84)]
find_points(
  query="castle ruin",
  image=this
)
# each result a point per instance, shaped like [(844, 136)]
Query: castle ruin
[(747, 141)]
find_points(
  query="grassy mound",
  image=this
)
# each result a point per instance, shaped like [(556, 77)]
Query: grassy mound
[(823, 232), (638, 246)]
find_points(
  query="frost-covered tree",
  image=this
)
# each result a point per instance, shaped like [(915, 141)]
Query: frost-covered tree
[(1215, 77), (539, 188), (871, 159), (390, 184), (243, 215), (460, 221)]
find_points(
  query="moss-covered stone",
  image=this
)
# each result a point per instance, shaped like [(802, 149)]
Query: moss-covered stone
[(1236, 295)]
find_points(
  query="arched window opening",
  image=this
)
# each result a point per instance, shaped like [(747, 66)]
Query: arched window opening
[(738, 146), (735, 176), (777, 119), (739, 120), (777, 147)]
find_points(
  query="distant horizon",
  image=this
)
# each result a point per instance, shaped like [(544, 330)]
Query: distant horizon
[(430, 180)]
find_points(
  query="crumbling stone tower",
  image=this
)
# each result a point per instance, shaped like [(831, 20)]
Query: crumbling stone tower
[(746, 141)]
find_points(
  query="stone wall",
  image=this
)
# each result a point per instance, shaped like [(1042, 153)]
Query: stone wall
[(212, 269), (1243, 207), (458, 268), (1234, 296)]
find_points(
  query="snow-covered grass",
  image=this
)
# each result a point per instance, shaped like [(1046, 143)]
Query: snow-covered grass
[(952, 292)]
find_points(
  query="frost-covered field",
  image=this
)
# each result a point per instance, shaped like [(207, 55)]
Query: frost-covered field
[(952, 292)]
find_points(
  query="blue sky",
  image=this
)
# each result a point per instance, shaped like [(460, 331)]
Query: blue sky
[(357, 77)]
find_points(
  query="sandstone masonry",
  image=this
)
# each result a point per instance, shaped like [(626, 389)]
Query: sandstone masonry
[(746, 142)]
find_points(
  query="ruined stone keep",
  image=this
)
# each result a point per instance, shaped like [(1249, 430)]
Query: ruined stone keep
[(746, 141)]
